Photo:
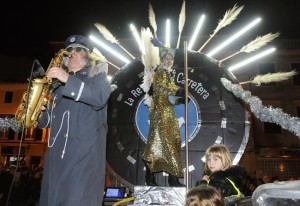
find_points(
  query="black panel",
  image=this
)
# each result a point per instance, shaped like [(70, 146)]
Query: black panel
[(226, 122)]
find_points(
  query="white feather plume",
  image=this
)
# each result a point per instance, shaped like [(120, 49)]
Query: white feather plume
[(229, 17), (150, 55), (150, 59), (152, 19), (254, 45), (181, 22), (110, 37), (182, 17), (106, 33), (271, 77), (259, 42)]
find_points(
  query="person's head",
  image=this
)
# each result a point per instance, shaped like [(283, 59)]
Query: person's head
[(252, 186), (167, 55), (79, 48), (217, 157), (204, 195), (259, 181), (12, 169), (266, 179)]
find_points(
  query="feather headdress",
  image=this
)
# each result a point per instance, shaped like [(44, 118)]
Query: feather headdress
[(228, 18), (268, 78), (150, 55), (152, 19), (150, 59)]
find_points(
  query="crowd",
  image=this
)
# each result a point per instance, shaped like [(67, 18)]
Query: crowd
[(26, 187), (250, 183), (27, 184)]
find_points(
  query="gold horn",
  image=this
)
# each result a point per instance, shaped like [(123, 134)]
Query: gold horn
[(27, 114)]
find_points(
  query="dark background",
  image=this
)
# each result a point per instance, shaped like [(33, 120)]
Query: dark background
[(28, 27)]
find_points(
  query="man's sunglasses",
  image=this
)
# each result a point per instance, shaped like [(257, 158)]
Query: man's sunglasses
[(77, 49)]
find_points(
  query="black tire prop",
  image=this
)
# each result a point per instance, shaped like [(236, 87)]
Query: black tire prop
[(214, 116)]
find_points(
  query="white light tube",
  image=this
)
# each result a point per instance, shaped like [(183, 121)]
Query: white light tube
[(100, 43), (137, 37), (251, 59), (196, 32), (235, 36), (168, 31)]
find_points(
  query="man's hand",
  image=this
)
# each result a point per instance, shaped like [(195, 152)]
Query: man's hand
[(58, 73)]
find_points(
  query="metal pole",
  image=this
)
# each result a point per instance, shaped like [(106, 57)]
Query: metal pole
[(185, 60)]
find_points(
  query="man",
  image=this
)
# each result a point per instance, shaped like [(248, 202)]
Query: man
[(74, 172)]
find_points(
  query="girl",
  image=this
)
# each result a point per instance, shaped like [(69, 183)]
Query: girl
[(221, 174)]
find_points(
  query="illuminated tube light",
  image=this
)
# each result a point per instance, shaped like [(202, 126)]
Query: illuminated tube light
[(168, 31), (137, 37), (200, 22), (235, 36), (251, 59), (100, 43)]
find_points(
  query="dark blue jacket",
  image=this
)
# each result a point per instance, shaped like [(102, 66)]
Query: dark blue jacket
[(74, 171)]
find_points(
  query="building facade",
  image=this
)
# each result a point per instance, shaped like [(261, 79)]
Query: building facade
[(273, 151), (30, 144)]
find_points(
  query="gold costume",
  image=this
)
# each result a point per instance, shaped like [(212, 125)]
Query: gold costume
[(163, 148)]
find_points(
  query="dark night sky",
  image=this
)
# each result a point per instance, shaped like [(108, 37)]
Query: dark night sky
[(27, 27)]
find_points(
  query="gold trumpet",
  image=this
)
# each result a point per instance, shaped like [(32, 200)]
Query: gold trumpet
[(27, 113)]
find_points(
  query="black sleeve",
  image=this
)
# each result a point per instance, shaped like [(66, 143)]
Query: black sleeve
[(219, 181), (237, 174), (180, 92)]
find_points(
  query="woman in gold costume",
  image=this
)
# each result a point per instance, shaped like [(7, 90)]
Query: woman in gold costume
[(163, 149)]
